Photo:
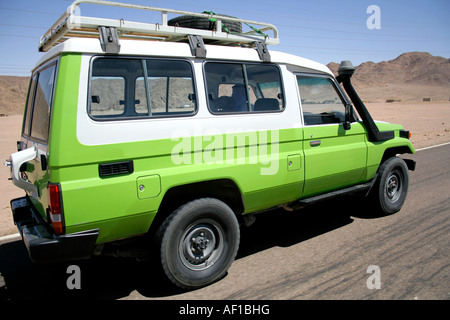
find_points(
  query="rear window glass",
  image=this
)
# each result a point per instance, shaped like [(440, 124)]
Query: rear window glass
[(29, 106), (40, 98), (123, 88)]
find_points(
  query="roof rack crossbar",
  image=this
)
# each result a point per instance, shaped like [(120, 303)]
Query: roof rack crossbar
[(70, 24)]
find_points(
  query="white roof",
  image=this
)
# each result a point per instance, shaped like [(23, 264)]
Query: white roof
[(76, 33), (180, 50)]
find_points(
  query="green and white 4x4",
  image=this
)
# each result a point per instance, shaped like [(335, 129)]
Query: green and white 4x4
[(182, 141)]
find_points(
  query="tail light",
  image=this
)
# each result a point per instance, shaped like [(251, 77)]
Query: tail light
[(55, 207)]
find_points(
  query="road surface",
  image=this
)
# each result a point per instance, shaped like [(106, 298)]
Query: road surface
[(335, 250)]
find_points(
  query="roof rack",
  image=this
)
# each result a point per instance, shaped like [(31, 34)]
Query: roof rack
[(109, 31)]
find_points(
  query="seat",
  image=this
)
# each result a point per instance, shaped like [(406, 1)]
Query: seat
[(222, 104), (267, 104)]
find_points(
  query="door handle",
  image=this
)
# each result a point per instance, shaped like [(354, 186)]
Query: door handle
[(315, 143)]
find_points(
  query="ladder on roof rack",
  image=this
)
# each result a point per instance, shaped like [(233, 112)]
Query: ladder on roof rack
[(70, 25)]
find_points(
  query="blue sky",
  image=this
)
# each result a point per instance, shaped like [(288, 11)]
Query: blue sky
[(321, 30)]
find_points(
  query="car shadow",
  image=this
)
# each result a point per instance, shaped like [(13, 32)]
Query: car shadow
[(108, 278)]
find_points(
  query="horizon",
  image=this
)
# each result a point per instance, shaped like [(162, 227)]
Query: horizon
[(324, 31), (336, 62)]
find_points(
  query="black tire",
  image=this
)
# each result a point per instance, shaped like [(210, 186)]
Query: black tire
[(199, 242), (390, 190), (204, 23)]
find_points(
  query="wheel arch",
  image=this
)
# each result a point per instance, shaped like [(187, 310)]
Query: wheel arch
[(225, 190), (392, 152)]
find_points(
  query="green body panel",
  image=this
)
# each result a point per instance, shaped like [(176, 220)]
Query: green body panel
[(291, 166), (90, 201), (377, 149), (338, 161)]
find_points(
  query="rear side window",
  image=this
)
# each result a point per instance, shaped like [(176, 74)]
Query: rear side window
[(39, 103), (123, 88), (243, 88)]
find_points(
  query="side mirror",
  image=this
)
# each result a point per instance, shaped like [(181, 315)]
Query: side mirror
[(347, 125)]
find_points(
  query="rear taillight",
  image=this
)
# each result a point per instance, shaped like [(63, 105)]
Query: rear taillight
[(55, 208)]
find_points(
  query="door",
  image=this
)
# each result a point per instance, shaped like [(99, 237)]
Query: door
[(334, 157), (34, 175)]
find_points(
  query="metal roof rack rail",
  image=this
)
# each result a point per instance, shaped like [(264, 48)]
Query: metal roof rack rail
[(109, 31)]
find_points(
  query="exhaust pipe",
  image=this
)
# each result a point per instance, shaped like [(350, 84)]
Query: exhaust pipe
[(346, 70)]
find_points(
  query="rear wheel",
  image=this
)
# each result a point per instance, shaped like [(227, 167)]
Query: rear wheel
[(390, 190), (199, 242)]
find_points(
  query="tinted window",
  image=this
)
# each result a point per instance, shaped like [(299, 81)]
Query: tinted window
[(124, 88), (108, 96), (321, 103), (30, 102), (236, 88), (37, 117)]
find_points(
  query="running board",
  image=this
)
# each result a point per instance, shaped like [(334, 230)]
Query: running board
[(329, 195)]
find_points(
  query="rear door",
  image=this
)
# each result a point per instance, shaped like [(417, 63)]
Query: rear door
[(35, 131), (334, 157)]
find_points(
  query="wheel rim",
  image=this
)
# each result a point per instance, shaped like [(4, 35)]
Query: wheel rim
[(394, 186), (201, 244)]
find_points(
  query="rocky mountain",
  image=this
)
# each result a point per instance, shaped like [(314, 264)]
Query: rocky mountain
[(411, 76), (13, 94)]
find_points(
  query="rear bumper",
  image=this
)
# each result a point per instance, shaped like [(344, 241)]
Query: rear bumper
[(42, 243)]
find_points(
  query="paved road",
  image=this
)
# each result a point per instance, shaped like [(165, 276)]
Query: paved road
[(322, 252)]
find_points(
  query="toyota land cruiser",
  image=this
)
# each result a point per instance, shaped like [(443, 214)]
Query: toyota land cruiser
[(183, 134)]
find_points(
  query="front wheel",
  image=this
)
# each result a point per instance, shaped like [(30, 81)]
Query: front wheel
[(199, 241), (390, 189)]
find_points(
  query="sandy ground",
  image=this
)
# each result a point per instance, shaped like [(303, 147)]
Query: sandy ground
[(428, 122)]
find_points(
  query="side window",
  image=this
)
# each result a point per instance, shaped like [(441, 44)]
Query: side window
[(321, 103), (236, 88), (124, 88), (171, 87), (39, 104), (107, 96)]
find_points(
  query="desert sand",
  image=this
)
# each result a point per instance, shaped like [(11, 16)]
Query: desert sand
[(429, 123)]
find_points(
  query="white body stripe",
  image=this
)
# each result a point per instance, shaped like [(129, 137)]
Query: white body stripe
[(91, 132)]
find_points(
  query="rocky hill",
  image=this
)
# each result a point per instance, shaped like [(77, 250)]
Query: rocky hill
[(412, 76), (13, 94)]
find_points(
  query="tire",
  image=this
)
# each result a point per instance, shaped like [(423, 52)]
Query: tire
[(390, 189), (198, 243), (204, 23)]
